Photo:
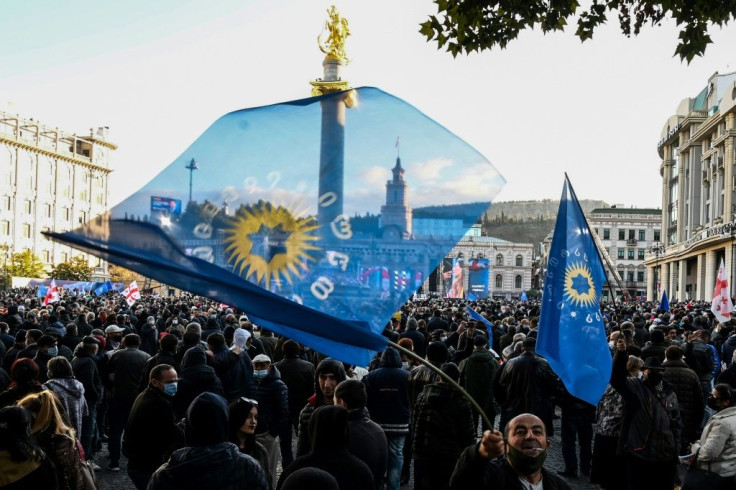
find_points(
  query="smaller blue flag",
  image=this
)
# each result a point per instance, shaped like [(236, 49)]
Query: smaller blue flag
[(477, 316), (571, 333), (41, 291), (523, 296), (665, 303), (103, 288)]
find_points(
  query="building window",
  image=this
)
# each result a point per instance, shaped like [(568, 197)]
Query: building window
[(66, 214), (641, 235), (47, 210), (606, 234), (499, 281), (622, 234), (631, 254), (640, 253), (499, 259), (27, 206), (82, 217), (517, 282), (657, 235), (6, 203), (46, 256), (26, 230), (5, 228), (620, 253), (519, 261), (640, 276), (64, 256), (632, 234), (630, 276)]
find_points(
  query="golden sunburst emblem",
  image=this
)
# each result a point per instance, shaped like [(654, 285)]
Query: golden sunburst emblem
[(579, 285), (270, 242)]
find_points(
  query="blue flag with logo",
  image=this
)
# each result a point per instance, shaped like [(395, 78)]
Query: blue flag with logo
[(305, 214), (664, 304), (477, 316), (572, 337)]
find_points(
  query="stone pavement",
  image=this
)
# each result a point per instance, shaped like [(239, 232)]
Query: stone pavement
[(119, 480)]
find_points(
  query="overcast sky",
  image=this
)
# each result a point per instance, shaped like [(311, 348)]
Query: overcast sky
[(159, 73)]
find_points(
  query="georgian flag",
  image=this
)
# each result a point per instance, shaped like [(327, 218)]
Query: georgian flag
[(52, 294), (722, 305), (131, 293)]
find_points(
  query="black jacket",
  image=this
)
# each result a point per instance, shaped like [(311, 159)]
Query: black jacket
[(151, 434), (650, 429), (298, 375), (273, 403), (419, 340), (127, 366), (689, 397), (328, 430), (195, 377), (388, 394), (526, 384), (473, 471), (235, 372), (368, 442), (85, 370)]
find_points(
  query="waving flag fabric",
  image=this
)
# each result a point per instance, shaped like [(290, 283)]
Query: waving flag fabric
[(722, 305), (571, 333), (477, 316), (131, 293), (52, 294), (302, 215), (664, 303)]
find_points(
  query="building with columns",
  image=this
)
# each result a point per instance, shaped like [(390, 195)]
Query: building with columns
[(50, 181), (627, 235), (696, 149)]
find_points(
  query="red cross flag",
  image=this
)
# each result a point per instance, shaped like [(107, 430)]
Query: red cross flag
[(52, 295), (722, 305), (131, 293)]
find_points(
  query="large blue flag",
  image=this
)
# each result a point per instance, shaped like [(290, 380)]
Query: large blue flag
[(305, 214), (571, 333), (477, 316), (664, 304)]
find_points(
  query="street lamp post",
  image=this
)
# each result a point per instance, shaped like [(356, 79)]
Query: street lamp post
[(657, 249)]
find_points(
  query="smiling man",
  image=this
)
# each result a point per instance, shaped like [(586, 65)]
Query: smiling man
[(524, 444)]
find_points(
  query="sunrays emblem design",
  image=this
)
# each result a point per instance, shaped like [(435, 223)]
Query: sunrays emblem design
[(270, 242), (579, 286)]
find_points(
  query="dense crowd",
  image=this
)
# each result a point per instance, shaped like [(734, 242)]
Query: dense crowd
[(194, 395)]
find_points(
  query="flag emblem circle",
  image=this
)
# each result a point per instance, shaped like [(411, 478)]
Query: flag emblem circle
[(270, 242), (579, 286)]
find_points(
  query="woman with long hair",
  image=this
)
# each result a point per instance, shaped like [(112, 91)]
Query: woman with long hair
[(23, 464), (56, 437), (242, 423)]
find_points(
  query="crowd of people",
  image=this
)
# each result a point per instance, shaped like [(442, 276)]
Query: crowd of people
[(195, 395)]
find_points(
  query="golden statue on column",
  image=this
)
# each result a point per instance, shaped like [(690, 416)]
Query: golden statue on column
[(337, 31)]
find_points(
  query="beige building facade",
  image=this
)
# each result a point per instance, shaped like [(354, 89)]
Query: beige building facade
[(50, 180), (627, 235), (696, 149)]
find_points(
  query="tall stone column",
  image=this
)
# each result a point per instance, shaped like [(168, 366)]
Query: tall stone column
[(681, 280), (711, 270), (664, 279), (728, 156), (651, 286), (672, 288), (700, 278)]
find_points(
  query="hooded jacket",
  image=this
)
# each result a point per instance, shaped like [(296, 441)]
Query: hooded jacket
[(208, 461), (717, 446), (70, 393), (329, 435), (327, 365), (196, 378), (388, 394)]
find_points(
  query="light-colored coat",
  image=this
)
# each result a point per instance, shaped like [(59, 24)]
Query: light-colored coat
[(717, 445)]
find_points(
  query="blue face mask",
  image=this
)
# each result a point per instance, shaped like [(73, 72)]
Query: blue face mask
[(260, 374), (53, 352), (170, 388)]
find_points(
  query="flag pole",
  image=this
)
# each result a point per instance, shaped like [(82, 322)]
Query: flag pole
[(445, 377), (600, 257)]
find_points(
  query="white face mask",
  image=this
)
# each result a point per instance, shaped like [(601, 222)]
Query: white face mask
[(611, 344), (405, 365)]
